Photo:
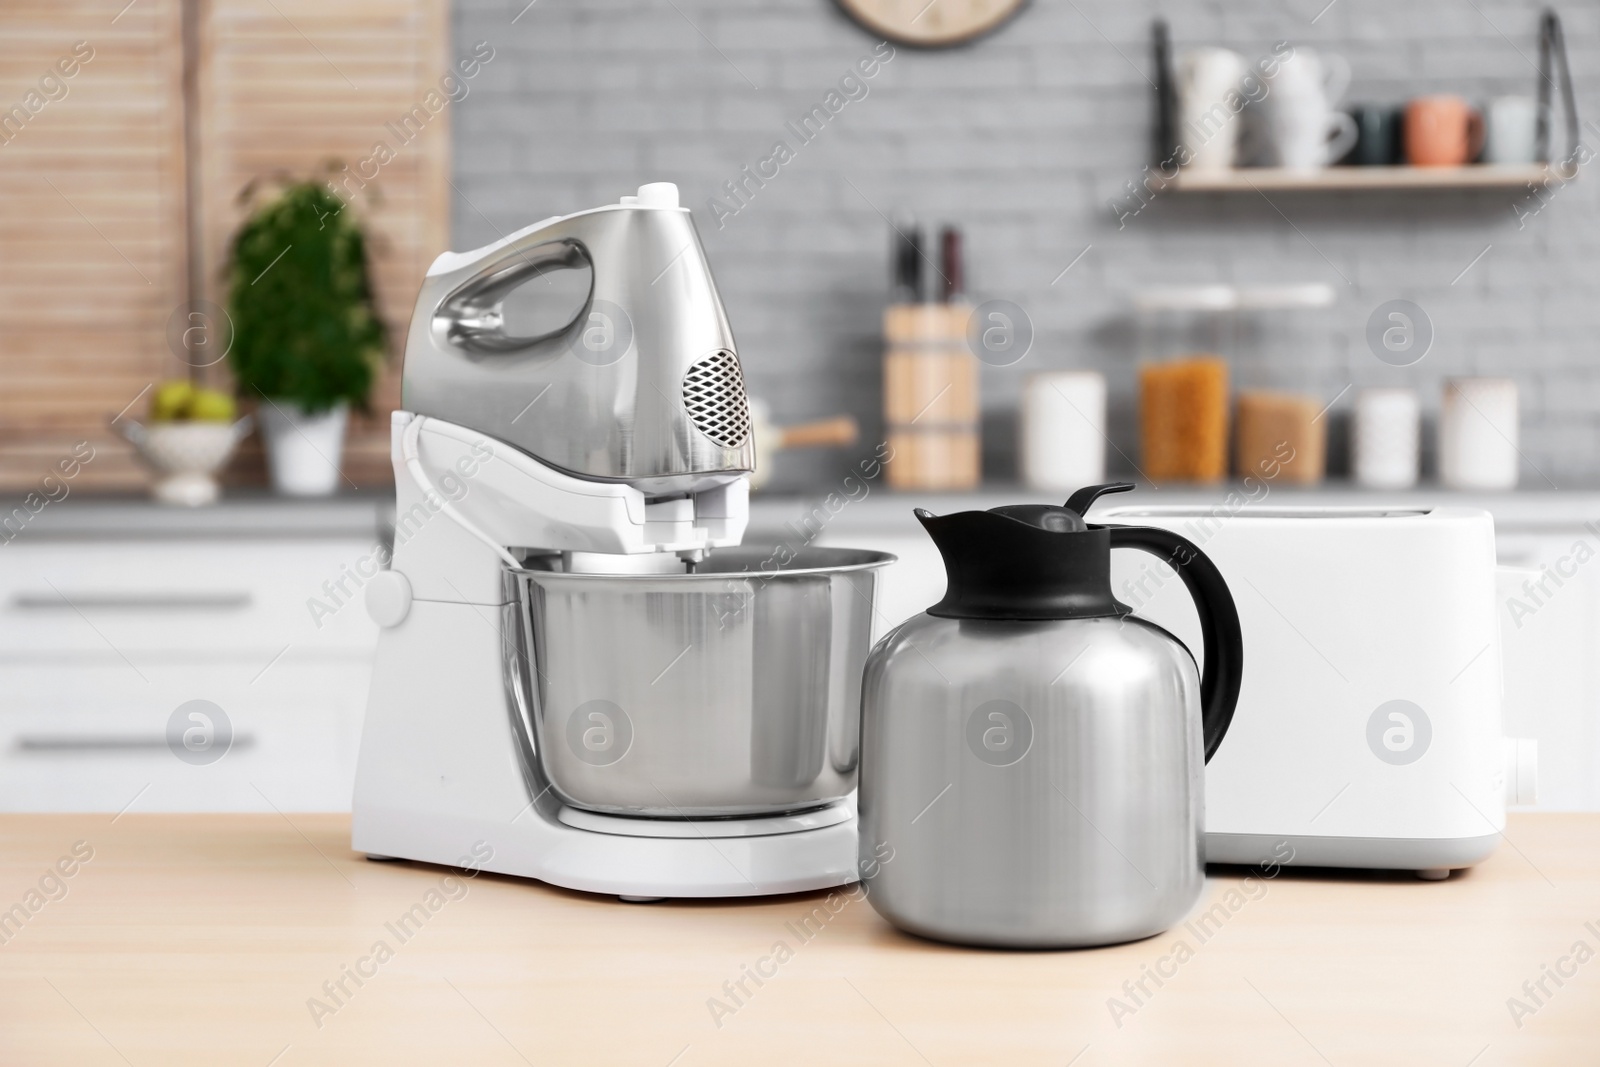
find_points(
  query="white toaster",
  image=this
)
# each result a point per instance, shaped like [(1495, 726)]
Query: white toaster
[(1368, 730)]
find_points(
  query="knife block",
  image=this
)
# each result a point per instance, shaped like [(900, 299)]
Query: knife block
[(930, 397)]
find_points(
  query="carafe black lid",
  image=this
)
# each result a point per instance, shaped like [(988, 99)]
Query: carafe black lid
[(1026, 561)]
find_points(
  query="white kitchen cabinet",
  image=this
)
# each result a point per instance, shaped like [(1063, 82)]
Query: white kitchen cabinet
[(117, 616)]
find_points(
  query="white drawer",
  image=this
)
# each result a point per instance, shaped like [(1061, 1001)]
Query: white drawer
[(95, 738), (147, 600)]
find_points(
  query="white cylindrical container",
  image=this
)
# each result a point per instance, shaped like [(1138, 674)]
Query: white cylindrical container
[(1063, 430), (1387, 438), (1478, 433)]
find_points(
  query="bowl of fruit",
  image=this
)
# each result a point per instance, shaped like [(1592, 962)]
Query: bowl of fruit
[(189, 437)]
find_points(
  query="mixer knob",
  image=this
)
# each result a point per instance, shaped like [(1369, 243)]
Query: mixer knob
[(658, 194), (388, 598)]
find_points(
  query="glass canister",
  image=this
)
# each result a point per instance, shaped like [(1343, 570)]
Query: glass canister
[(1184, 337), (1283, 349), (1228, 381)]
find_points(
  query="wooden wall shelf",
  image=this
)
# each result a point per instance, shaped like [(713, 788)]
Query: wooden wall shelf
[(1277, 179)]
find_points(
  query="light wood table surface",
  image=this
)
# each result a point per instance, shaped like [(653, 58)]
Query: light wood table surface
[(202, 939)]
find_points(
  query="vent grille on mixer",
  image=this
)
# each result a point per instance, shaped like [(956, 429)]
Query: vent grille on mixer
[(713, 392)]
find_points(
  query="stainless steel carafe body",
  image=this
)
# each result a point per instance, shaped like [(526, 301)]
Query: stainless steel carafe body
[(1032, 753), (1039, 782)]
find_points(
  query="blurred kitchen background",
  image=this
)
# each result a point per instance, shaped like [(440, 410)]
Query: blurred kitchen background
[(140, 191), (1025, 140), (123, 194)]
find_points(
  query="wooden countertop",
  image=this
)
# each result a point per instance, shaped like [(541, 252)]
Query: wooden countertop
[(200, 939)]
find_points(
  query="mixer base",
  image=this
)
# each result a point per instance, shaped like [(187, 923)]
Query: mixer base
[(757, 826), (441, 779), (533, 846)]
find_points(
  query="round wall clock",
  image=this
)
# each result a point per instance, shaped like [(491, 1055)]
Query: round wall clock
[(931, 23)]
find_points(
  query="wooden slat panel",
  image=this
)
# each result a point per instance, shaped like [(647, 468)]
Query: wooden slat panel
[(91, 249), (91, 242)]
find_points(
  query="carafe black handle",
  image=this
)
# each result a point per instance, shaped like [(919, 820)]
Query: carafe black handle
[(1219, 622)]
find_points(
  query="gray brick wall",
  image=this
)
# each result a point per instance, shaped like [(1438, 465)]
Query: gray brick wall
[(1022, 139)]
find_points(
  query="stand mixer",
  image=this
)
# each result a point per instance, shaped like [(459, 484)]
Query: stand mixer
[(580, 677)]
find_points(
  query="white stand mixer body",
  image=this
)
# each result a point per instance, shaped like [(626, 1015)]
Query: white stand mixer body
[(443, 773), (447, 772)]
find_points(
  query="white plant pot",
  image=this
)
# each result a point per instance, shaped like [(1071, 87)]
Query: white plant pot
[(303, 451)]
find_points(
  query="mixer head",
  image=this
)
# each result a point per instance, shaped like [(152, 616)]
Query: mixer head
[(642, 386)]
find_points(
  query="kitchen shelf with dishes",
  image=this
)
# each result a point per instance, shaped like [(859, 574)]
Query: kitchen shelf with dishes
[(1225, 124)]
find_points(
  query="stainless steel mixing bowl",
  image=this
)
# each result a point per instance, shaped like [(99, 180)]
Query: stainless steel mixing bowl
[(734, 690)]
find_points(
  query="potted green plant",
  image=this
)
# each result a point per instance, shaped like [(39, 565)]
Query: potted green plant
[(307, 340)]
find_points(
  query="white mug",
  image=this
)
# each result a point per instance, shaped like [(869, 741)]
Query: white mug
[(1303, 128), (1306, 72), (1208, 126), (1512, 134)]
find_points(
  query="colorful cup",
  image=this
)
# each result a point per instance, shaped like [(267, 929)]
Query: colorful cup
[(1442, 131)]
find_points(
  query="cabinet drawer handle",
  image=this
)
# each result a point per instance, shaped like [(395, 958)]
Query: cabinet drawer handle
[(132, 601), (107, 742)]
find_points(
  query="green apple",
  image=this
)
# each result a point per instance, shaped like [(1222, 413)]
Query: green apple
[(211, 405), (172, 400)]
